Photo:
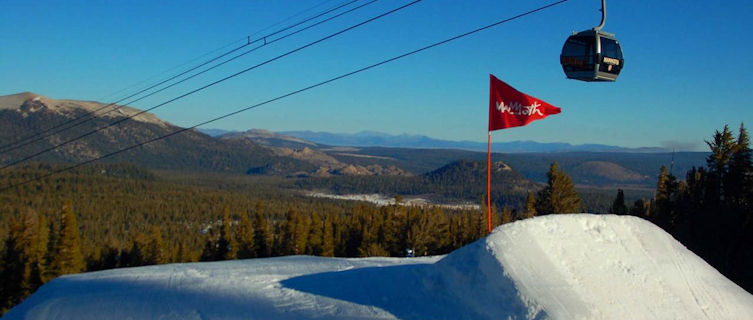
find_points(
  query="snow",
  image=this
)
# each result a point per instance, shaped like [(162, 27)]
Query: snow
[(554, 267), (384, 200)]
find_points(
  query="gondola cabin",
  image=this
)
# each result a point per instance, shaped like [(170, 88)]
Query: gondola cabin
[(592, 55)]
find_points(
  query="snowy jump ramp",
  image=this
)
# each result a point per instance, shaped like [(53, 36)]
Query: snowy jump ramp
[(552, 267)]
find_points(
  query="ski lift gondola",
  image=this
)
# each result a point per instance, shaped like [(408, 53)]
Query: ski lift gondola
[(592, 55)]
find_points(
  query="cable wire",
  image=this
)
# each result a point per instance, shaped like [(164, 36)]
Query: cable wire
[(410, 53), (244, 39), (166, 71), (40, 135), (208, 85)]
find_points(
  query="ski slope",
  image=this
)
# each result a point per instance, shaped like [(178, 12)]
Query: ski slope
[(552, 267)]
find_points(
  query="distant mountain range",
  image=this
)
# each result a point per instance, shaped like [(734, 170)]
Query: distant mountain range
[(22, 115), (598, 166), (303, 154), (379, 139), (75, 140)]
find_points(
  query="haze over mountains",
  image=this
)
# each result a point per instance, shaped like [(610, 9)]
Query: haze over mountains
[(554, 267), (299, 154), (380, 139), (23, 115), (586, 167)]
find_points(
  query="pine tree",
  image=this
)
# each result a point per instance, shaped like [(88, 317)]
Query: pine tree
[(639, 209), (506, 215), (154, 251), (302, 229), (530, 205), (328, 241), (22, 268), (664, 213), (425, 232), (209, 253), (314, 243), (136, 256), (371, 235), (482, 222), (391, 228), (263, 237), (739, 225), (661, 184), (109, 256), (245, 239), (469, 227), (182, 254), (286, 241), (559, 195), (618, 206), (739, 184), (68, 257), (496, 218), (226, 246), (40, 252), (722, 148), (13, 267), (693, 201)]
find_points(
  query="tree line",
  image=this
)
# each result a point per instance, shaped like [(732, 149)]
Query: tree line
[(711, 210), (113, 216)]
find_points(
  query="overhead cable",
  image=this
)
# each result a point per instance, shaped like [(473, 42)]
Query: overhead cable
[(410, 53), (244, 39), (208, 85), (42, 134)]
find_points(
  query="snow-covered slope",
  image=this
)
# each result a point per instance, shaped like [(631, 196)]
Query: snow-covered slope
[(553, 267)]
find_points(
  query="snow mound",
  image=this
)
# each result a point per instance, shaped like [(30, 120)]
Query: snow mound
[(589, 267), (553, 267)]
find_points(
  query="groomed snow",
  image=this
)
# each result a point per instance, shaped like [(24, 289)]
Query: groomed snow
[(552, 267)]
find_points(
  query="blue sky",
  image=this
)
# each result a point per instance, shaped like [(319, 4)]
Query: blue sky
[(688, 67)]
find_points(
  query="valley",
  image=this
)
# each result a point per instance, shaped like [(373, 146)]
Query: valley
[(144, 200), (384, 200), (321, 159), (307, 165)]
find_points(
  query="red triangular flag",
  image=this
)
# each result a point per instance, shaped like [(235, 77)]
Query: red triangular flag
[(511, 108)]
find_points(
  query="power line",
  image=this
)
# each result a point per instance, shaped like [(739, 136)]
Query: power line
[(291, 93), (40, 135), (91, 115), (26, 141), (211, 84), (244, 39), (289, 18), (166, 71)]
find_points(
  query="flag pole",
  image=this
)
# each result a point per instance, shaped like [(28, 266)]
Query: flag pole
[(489, 181), (509, 108)]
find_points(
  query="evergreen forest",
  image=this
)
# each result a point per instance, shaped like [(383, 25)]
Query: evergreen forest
[(120, 215)]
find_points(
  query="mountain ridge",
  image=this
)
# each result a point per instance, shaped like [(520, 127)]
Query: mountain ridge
[(29, 102), (404, 140), (380, 139), (263, 152), (104, 131)]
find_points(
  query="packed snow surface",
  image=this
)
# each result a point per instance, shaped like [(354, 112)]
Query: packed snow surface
[(553, 267)]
